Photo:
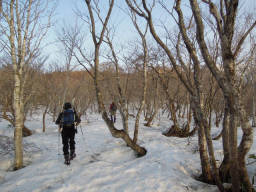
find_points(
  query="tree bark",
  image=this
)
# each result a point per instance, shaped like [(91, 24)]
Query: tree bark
[(155, 107), (97, 43), (44, 115), (19, 124), (206, 171), (228, 83)]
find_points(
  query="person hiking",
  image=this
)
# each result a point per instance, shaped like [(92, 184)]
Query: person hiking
[(67, 121), (112, 110)]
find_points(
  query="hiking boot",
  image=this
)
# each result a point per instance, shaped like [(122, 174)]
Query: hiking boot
[(67, 160), (72, 155)]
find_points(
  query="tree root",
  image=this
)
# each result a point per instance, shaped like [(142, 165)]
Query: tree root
[(26, 132), (175, 131)]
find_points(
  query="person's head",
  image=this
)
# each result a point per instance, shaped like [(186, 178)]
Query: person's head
[(67, 105)]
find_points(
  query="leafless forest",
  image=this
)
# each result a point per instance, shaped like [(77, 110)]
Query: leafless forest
[(201, 69)]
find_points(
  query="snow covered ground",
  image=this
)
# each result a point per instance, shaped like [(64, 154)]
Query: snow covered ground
[(104, 163)]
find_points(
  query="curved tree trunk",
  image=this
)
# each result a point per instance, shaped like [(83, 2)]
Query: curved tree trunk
[(114, 132), (123, 135), (97, 43), (218, 136)]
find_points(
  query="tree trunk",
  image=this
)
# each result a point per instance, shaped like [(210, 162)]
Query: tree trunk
[(141, 151), (185, 130), (173, 114), (244, 147), (54, 113), (19, 123), (151, 118), (233, 153), (125, 116), (44, 115), (155, 110), (218, 118), (205, 126), (115, 133), (142, 102), (205, 164), (225, 165), (228, 82)]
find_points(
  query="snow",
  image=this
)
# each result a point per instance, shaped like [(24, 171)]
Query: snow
[(104, 163)]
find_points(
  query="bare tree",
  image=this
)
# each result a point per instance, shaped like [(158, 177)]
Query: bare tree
[(228, 80), (23, 34), (225, 19), (97, 40), (145, 66), (145, 12)]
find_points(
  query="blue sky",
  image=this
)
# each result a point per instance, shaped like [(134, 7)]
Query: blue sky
[(65, 14), (124, 29)]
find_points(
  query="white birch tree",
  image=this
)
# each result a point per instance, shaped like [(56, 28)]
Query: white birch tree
[(23, 29)]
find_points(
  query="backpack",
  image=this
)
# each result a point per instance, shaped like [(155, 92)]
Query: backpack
[(113, 107), (68, 117)]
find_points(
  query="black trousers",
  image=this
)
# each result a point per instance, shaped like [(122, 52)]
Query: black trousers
[(68, 140), (113, 116)]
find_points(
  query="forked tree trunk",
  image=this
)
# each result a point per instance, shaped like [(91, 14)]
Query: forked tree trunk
[(115, 132), (225, 23), (197, 97), (147, 14)]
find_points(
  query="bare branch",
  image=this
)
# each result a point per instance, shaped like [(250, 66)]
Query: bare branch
[(241, 41)]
